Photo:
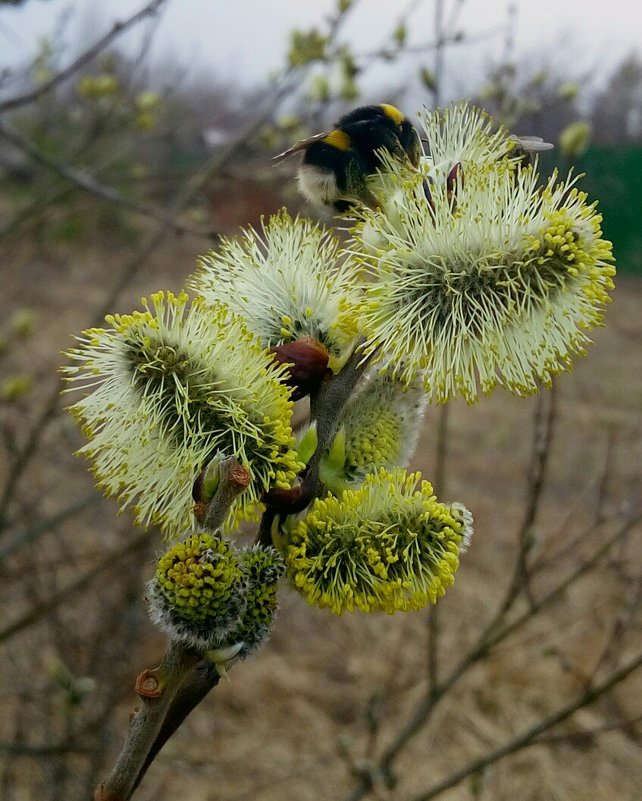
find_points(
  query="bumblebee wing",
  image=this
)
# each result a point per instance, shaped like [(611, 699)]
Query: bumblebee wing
[(303, 144), (533, 144)]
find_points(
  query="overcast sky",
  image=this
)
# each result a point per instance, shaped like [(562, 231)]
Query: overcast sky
[(243, 40)]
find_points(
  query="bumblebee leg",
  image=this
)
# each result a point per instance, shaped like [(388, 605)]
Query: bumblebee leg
[(342, 206)]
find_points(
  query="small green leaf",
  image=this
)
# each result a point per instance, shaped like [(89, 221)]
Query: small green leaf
[(308, 444)]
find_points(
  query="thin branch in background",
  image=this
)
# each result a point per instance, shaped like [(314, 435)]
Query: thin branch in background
[(492, 636), (492, 639), (529, 737), (622, 622), (566, 546), (586, 736), (543, 430), (27, 451), (601, 494), (43, 751), (89, 184), (51, 603), (34, 532), (455, 40), (440, 47), (455, 10), (55, 193), (511, 27), (40, 204), (84, 58)]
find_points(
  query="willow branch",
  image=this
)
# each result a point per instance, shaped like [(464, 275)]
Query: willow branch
[(84, 58), (326, 407), (194, 687), (157, 688), (171, 691)]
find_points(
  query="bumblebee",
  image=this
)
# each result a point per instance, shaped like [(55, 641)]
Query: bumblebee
[(336, 163), (525, 147)]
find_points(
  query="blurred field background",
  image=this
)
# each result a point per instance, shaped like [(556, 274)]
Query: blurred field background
[(112, 181)]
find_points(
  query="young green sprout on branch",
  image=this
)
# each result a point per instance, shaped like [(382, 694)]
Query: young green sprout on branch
[(464, 271)]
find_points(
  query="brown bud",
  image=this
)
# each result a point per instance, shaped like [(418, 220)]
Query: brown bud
[(282, 498), (428, 194), (239, 477), (307, 361)]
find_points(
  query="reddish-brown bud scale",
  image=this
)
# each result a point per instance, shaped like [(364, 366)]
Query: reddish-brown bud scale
[(454, 179), (200, 511), (148, 685), (307, 361), (282, 498), (197, 488), (240, 477)]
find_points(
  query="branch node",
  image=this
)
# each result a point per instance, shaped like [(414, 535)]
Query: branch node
[(148, 685)]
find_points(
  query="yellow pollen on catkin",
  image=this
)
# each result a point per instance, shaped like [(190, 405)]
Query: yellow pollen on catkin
[(385, 546)]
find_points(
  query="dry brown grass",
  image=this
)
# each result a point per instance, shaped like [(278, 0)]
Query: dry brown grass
[(282, 727)]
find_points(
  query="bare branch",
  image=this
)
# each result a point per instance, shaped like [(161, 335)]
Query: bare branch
[(34, 532), (194, 687), (89, 184), (50, 604), (157, 688), (529, 737), (489, 639), (544, 419), (171, 691), (84, 58)]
